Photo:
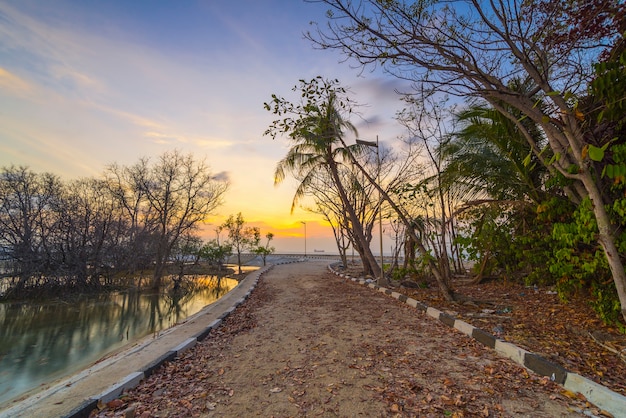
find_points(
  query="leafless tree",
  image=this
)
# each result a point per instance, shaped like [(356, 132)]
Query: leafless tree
[(26, 220), (181, 192)]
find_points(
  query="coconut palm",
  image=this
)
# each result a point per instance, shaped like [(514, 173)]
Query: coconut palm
[(489, 157), (316, 129)]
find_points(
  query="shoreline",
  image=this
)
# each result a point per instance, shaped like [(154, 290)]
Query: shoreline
[(69, 394)]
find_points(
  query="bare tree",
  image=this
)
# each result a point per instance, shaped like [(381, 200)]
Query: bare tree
[(26, 220), (165, 200), (182, 192), (134, 232), (86, 215), (427, 121)]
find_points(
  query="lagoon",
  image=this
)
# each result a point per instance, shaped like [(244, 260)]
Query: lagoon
[(42, 342)]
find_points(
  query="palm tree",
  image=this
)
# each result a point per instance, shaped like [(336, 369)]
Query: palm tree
[(489, 157), (317, 131), (489, 165)]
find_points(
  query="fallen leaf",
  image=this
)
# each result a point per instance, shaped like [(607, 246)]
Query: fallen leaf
[(115, 404)]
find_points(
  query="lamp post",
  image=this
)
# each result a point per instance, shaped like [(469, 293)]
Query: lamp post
[(304, 223), (380, 212)]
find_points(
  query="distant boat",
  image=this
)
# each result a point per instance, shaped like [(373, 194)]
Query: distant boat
[(318, 251)]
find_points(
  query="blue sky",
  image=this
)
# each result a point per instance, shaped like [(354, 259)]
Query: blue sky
[(85, 83)]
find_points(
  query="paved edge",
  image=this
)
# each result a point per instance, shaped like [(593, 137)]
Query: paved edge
[(134, 378), (599, 395)]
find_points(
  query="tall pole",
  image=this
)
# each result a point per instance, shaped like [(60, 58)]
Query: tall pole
[(304, 223), (380, 213)]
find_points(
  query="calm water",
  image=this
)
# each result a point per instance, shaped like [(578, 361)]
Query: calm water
[(43, 342)]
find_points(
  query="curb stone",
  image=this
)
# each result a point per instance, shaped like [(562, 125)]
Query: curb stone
[(133, 379), (599, 395)]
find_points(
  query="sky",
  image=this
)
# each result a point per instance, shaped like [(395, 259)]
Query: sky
[(87, 83)]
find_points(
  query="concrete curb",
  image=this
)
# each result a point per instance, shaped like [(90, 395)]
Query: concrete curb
[(133, 379), (601, 396)]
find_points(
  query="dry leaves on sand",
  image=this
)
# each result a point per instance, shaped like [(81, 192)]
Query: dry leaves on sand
[(307, 343)]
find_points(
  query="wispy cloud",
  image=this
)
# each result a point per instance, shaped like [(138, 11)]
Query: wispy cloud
[(15, 85)]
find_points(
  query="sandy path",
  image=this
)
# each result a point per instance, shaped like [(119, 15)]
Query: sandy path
[(307, 343)]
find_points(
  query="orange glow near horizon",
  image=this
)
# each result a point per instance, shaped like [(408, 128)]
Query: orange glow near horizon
[(289, 235)]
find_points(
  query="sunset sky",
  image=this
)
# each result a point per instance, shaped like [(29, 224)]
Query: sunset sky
[(87, 83)]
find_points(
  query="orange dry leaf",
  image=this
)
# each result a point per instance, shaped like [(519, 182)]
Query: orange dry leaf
[(115, 404)]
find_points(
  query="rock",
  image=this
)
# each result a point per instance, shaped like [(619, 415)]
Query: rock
[(130, 412), (409, 284), (498, 330)]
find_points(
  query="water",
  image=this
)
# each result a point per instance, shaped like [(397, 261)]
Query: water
[(46, 341)]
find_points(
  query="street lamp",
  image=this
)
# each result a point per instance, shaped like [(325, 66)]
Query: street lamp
[(380, 212), (304, 223)]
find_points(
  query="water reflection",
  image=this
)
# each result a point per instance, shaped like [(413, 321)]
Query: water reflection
[(42, 342)]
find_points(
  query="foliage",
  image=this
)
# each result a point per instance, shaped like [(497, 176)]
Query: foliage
[(580, 265), (265, 250), (216, 254), (241, 237)]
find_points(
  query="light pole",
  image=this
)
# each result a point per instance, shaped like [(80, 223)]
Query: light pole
[(380, 197), (304, 223)]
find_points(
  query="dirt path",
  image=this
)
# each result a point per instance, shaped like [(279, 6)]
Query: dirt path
[(307, 343)]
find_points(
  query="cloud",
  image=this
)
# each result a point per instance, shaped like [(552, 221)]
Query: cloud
[(75, 80), (14, 84), (222, 176), (383, 88), (102, 82)]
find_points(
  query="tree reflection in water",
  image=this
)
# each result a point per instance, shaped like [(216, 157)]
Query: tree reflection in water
[(44, 341)]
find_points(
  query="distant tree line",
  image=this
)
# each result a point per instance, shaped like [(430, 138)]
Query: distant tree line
[(86, 233)]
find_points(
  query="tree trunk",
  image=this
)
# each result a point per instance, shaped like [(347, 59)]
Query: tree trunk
[(157, 275), (357, 228), (409, 251), (367, 268), (440, 277), (607, 241)]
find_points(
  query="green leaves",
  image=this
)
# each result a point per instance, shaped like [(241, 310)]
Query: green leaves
[(595, 153)]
